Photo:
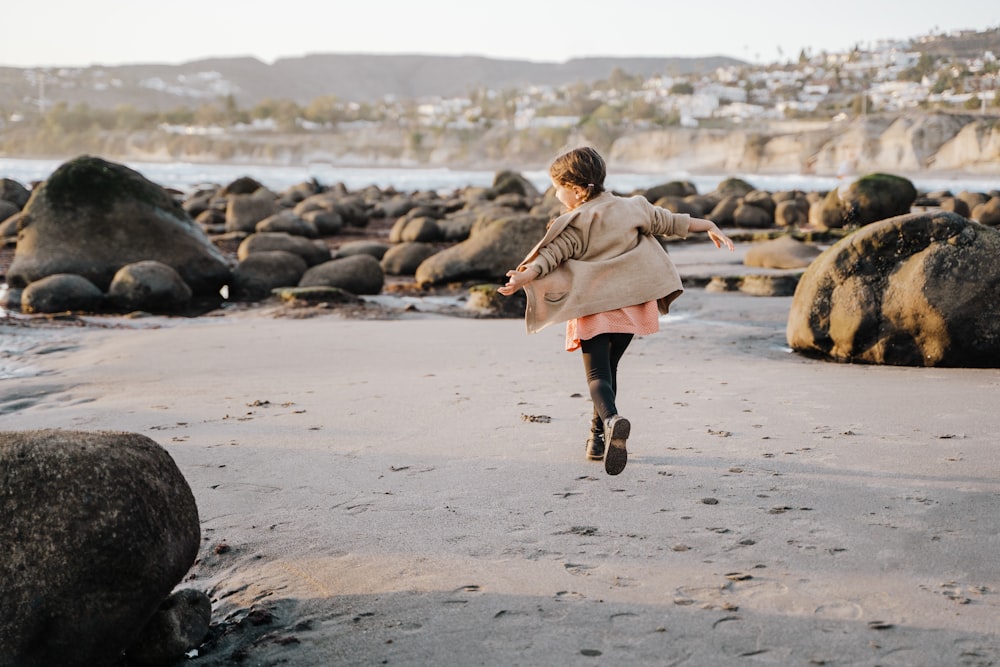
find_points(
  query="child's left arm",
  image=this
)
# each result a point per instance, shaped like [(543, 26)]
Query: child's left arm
[(714, 233)]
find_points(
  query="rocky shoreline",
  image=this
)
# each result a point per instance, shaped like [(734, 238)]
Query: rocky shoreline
[(373, 250)]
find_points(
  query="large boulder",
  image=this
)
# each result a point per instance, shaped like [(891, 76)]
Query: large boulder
[(492, 249), (915, 290), (358, 274), (98, 528), (869, 199), (62, 292), (150, 286), (92, 217), (261, 272)]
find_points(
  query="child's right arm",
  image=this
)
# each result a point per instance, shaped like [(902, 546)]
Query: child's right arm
[(519, 278), (714, 233), (564, 246)]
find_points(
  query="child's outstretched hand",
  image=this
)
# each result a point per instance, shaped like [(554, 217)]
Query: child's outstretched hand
[(516, 280), (720, 239)]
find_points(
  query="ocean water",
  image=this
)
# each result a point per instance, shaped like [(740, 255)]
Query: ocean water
[(187, 176)]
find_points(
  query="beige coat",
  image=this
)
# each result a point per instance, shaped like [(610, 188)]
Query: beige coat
[(601, 256)]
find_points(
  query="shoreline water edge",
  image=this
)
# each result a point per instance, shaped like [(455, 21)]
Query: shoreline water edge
[(189, 175)]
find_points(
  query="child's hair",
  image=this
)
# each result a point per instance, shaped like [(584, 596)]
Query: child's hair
[(581, 166)]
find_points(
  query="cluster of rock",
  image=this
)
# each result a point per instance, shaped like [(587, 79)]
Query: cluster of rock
[(98, 529), (97, 236)]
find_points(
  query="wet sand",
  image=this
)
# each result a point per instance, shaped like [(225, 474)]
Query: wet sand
[(414, 490)]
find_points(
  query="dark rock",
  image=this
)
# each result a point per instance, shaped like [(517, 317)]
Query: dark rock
[(791, 212), (914, 290), (326, 222), (311, 251), (396, 206), (62, 292), (678, 189), (750, 216), (92, 217), (8, 228), (760, 199), (352, 210), (358, 274), (286, 221), (213, 221), (244, 185), (7, 209), (486, 301), (972, 199), (456, 226), (515, 201), (988, 213), (733, 187), (299, 192), (98, 529), (680, 205), (511, 182), (255, 277), (179, 625), (493, 247), (14, 192), (315, 295), (769, 285), (403, 259), (376, 249), (199, 202), (722, 213), (755, 285), (421, 230), (956, 206), (244, 211), (783, 252), (149, 286), (869, 199)]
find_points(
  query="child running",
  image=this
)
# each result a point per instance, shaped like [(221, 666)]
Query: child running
[(600, 269)]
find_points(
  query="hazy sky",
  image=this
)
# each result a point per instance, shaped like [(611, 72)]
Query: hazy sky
[(110, 32)]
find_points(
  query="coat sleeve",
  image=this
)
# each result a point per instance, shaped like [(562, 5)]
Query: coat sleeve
[(566, 245), (666, 223)]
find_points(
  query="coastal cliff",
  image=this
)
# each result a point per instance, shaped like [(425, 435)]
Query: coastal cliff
[(916, 143)]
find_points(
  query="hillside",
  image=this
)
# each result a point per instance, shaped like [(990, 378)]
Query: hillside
[(349, 77)]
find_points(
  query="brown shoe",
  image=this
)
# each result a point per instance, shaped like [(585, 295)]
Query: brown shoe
[(595, 446), (616, 430)]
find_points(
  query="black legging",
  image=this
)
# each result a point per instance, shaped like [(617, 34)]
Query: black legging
[(601, 355)]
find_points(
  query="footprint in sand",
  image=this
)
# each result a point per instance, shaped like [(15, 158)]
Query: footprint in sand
[(847, 611), (578, 569)]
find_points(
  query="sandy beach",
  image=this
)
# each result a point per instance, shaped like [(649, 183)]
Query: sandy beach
[(414, 491)]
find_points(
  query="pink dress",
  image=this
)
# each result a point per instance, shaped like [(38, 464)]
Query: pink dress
[(642, 319)]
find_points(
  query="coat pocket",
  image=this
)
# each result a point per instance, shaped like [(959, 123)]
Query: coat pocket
[(555, 297)]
